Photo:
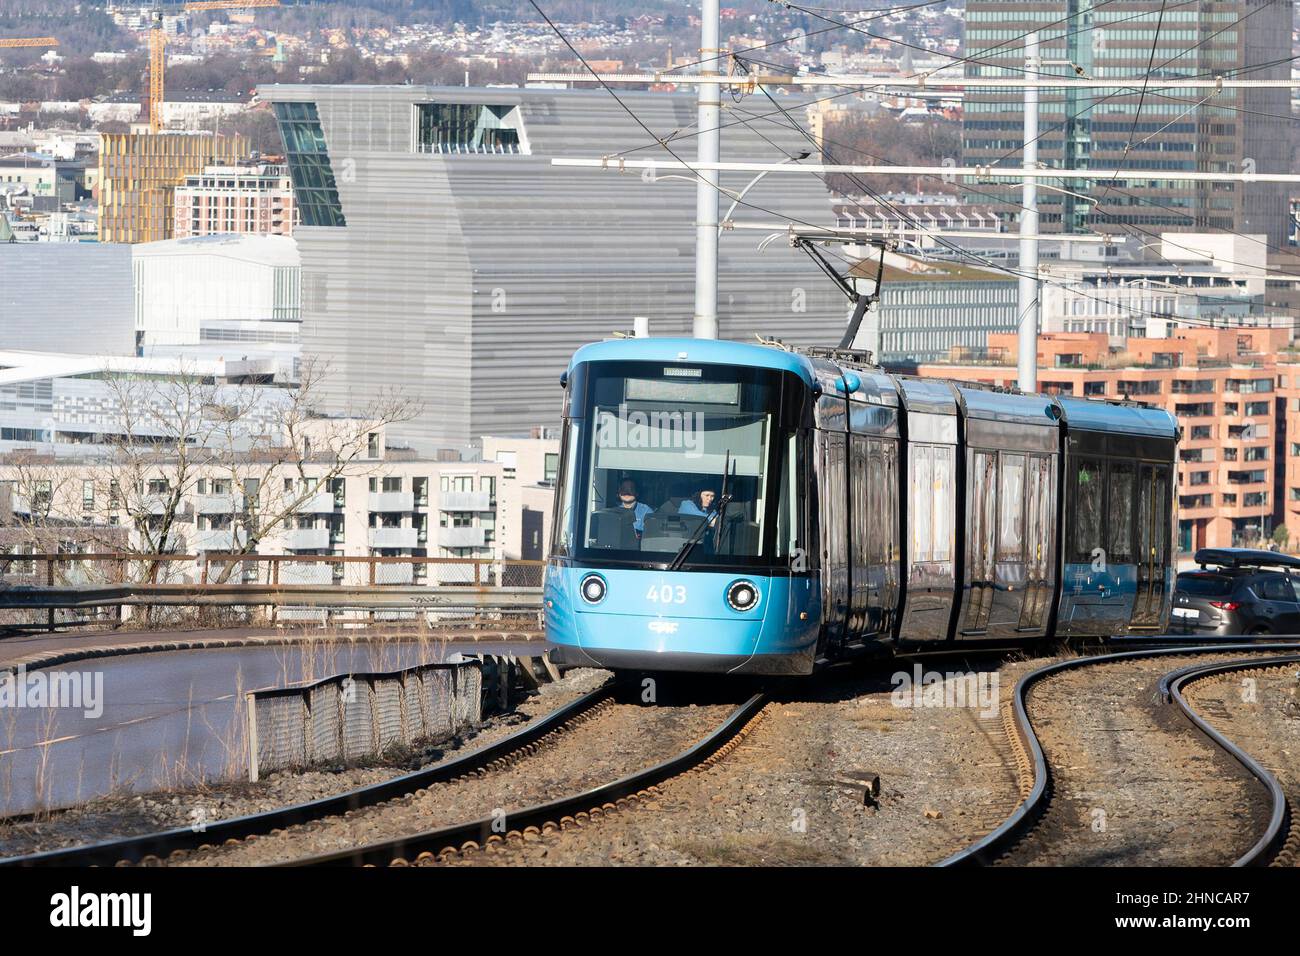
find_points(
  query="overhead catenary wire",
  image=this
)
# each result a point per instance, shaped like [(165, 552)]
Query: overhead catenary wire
[(663, 142)]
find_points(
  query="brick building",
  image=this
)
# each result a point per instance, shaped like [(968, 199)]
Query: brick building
[(252, 199)]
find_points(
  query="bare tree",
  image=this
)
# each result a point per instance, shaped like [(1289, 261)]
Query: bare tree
[(267, 449)]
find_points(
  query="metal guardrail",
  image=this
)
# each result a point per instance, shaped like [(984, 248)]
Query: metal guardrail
[(80, 582), (210, 595)]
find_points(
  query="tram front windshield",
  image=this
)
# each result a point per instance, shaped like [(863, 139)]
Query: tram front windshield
[(674, 457)]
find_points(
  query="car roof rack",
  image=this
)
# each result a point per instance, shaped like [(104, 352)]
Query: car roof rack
[(1244, 558)]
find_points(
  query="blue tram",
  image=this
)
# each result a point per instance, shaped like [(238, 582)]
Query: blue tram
[(749, 509)]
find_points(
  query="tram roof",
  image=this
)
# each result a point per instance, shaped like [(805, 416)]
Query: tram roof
[(702, 351), (1102, 416)]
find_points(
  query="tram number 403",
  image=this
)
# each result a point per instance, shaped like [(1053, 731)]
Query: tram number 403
[(666, 594)]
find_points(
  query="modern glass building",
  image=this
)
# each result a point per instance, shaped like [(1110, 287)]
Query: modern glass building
[(445, 257), (1163, 129)]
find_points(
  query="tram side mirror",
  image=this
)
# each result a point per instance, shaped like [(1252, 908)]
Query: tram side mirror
[(564, 379), (851, 383)]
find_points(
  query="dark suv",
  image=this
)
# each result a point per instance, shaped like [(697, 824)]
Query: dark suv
[(1238, 591)]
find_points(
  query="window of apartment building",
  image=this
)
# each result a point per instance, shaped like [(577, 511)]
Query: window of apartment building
[(1256, 499), (338, 488), (88, 495), (1230, 499), (1094, 388), (420, 487), (1257, 453), (462, 519), (114, 494), (551, 466), (422, 526), (489, 525), (462, 483), (1200, 432), (1200, 478), (488, 483), (468, 128), (1231, 408), (392, 483), (1257, 408), (158, 486), (508, 460), (372, 445), (1295, 448)]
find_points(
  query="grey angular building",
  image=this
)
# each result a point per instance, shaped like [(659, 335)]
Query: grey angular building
[(443, 254)]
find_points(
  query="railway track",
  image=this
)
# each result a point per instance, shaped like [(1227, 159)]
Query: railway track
[(1005, 842), (155, 847), (574, 810), (1279, 845)]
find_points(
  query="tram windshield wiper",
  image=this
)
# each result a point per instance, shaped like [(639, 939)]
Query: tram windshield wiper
[(698, 535)]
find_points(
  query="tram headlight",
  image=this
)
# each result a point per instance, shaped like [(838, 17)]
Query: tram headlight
[(742, 595), (592, 588)]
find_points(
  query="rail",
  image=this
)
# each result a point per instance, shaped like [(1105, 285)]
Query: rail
[(991, 848)]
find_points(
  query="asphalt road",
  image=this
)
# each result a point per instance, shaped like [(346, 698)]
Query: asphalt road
[(165, 719)]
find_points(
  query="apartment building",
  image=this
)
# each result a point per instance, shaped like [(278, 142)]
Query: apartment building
[(386, 504), (1235, 392), (247, 200)]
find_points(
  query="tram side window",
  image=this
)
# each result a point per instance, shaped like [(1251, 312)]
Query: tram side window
[(1087, 510), (1119, 544), (920, 503), (930, 506)]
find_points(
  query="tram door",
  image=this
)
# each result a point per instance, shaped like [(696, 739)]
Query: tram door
[(1152, 544), (835, 535), (983, 540), (1040, 509)]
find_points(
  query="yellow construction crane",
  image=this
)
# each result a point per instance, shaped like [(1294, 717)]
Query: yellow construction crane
[(28, 41), (158, 47)]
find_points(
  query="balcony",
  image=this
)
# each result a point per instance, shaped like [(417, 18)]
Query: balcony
[(227, 504), (307, 539), (400, 538), (389, 502), (462, 537), (321, 503), (465, 501)]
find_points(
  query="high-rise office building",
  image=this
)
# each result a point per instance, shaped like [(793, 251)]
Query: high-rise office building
[(139, 173), (1147, 131)]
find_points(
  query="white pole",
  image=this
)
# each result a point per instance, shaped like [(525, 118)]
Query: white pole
[(1027, 301), (706, 189)]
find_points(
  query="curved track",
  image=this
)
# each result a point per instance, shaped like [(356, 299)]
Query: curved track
[(554, 815), (139, 849), (1275, 837), (993, 847)]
